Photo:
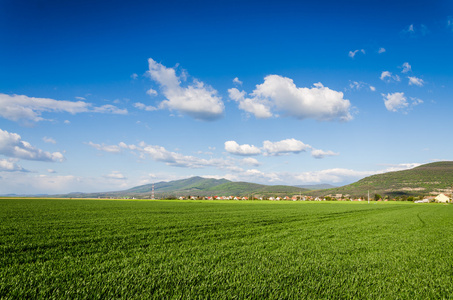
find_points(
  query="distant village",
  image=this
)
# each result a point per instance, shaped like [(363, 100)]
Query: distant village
[(441, 198)]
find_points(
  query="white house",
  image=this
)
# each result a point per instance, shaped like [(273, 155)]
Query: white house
[(441, 198)]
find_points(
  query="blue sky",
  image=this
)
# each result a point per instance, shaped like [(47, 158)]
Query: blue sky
[(107, 95)]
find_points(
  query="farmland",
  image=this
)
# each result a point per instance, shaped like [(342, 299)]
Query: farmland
[(53, 248)]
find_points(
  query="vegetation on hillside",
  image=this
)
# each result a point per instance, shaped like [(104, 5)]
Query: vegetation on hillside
[(427, 179)]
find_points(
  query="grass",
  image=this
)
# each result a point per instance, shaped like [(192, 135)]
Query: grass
[(209, 249)]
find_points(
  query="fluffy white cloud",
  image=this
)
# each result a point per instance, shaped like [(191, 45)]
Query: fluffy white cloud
[(261, 108), (381, 50), (9, 165), (237, 81), (11, 145), (318, 153), (134, 76), (21, 107), (351, 54), (250, 161), (415, 81), (394, 102), (406, 67), (387, 76), (197, 100), (284, 147), (246, 149), (282, 95), (372, 88), (151, 92)]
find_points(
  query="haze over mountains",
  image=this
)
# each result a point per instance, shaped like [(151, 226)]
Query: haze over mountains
[(426, 179)]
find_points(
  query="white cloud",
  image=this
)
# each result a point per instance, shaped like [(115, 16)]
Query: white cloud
[(9, 165), (197, 100), (381, 50), (134, 76), (80, 98), (416, 101), (52, 171), (318, 153), (116, 175), (67, 122), (353, 53), (49, 140), (284, 147), (245, 150), (394, 102), (144, 107), (406, 68), (358, 85), (151, 92), (261, 108), (11, 145), (106, 148), (387, 76), (415, 81), (237, 81), (21, 107), (282, 95), (250, 161)]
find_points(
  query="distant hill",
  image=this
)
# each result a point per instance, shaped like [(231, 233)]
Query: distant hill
[(426, 179), (316, 186), (199, 186)]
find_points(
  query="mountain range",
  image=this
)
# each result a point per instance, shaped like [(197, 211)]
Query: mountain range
[(427, 179)]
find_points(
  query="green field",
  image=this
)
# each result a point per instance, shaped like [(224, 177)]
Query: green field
[(199, 249)]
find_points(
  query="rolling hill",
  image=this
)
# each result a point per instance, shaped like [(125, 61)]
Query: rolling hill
[(198, 186), (432, 178)]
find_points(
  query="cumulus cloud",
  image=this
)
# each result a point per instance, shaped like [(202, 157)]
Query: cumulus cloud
[(280, 94), (196, 100), (387, 76), (415, 81), (318, 153), (134, 76), (151, 92), (9, 165), (351, 54), (250, 161), (11, 145), (394, 102), (237, 81), (406, 68), (245, 150), (381, 50), (21, 107), (284, 147)]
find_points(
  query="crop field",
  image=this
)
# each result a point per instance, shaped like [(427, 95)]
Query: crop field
[(210, 249)]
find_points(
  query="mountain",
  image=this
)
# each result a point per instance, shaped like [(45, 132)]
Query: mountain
[(432, 178), (316, 186), (198, 186)]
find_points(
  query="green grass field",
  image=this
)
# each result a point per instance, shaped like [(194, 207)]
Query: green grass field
[(199, 249)]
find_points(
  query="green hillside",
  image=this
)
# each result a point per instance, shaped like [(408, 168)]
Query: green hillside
[(198, 186), (426, 179)]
